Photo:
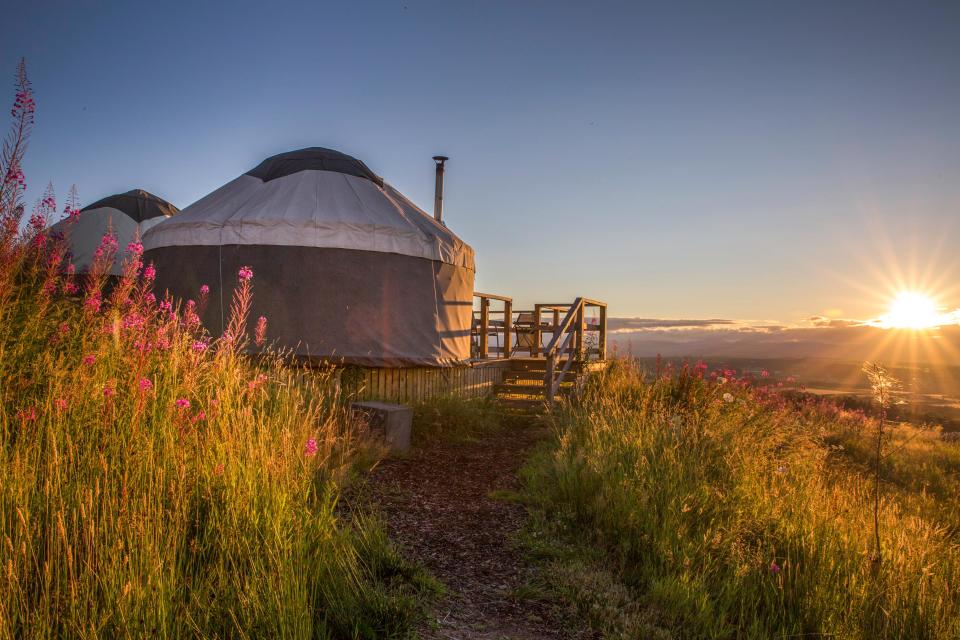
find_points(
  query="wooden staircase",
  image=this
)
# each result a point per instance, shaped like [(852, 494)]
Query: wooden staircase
[(524, 386)]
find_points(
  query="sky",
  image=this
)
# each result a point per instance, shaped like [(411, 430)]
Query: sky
[(760, 163)]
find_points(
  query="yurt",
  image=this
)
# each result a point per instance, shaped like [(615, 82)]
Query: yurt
[(129, 215), (346, 269)]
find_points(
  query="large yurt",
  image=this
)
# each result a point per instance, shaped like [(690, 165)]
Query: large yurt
[(129, 215), (346, 269)]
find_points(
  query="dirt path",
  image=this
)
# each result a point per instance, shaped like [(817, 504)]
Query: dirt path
[(438, 508)]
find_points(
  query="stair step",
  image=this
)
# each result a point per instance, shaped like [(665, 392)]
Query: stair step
[(529, 389), (536, 376), (522, 404)]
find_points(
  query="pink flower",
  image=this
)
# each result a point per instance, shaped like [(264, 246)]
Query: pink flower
[(204, 290), (182, 403), (135, 248), (260, 336), (93, 303), (310, 448), (145, 385), (89, 359), (71, 289), (150, 272), (150, 298), (764, 374), (245, 273), (108, 392), (60, 404), (28, 415), (774, 567), (199, 346)]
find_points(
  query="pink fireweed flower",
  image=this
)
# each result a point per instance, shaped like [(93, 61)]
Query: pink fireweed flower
[(245, 273), (145, 385), (60, 404), (165, 306), (150, 273), (182, 403), (28, 415), (93, 303), (310, 448), (774, 567), (260, 335), (70, 289), (108, 392), (135, 248), (764, 374), (89, 359), (204, 290), (199, 346), (150, 298)]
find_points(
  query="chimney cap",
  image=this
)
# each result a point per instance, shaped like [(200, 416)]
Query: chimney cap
[(440, 159)]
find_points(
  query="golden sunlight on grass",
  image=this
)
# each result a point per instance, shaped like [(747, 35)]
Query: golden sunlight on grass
[(914, 310)]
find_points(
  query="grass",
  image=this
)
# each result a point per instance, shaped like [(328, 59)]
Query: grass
[(452, 419), (155, 481), (727, 511)]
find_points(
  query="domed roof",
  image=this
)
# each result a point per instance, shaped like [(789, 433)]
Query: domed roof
[(137, 204), (126, 215), (313, 197)]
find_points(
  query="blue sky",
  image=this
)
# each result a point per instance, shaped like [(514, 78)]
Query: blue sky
[(679, 160)]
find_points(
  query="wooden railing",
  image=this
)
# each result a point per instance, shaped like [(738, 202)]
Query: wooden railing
[(569, 340), (504, 327), (521, 332)]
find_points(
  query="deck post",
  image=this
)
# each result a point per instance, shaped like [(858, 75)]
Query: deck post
[(602, 341), (507, 328), (581, 318), (484, 326), (548, 378)]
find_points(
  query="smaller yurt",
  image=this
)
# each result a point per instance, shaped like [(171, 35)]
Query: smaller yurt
[(346, 269), (129, 215)]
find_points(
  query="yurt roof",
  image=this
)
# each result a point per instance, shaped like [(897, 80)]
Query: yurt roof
[(124, 214), (312, 197), (139, 205)]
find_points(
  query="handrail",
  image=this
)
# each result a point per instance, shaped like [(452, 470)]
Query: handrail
[(563, 327)]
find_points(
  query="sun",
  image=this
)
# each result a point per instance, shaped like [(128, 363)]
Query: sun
[(913, 310)]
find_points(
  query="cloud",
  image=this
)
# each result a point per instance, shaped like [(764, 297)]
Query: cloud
[(821, 321), (635, 324), (819, 337)]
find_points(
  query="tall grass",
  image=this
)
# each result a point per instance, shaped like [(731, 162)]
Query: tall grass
[(733, 513), (157, 482)]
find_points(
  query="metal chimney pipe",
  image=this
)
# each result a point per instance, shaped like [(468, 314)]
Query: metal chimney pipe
[(438, 192)]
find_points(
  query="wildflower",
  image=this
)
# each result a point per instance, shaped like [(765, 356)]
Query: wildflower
[(199, 346), (60, 404), (145, 385), (728, 397), (135, 248), (28, 415), (71, 289), (721, 380), (150, 272), (165, 306), (245, 273), (93, 303), (108, 392), (204, 290), (774, 567), (764, 374), (89, 359), (64, 328), (218, 470), (256, 382), (310, 448), (150, 298), (260, 335), (182, 403)]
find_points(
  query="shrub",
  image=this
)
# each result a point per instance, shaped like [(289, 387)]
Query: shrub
[(730, 515)]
